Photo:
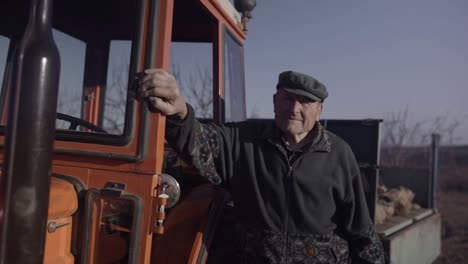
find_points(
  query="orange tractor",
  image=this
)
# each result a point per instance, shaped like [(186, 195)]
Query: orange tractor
[(82, 157)]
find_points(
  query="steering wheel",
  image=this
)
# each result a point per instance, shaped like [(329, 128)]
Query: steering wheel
[(75, 122)]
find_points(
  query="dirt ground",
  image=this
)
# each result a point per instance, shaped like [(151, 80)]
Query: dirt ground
[(454, 210)]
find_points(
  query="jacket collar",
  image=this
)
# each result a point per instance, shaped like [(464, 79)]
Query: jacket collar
[(321, 141)]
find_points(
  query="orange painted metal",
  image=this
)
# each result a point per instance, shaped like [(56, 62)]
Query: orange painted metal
[(91, 106), (63, 200), (189, 220), (58, 243), (224, 20), (157, 120), (140, 178), (197, 247), (63, 203), (139, 184), (95, 232), (215, 8), (6, 83), (160, 60)]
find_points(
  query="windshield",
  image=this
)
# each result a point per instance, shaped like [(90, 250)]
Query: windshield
[(95, 58)]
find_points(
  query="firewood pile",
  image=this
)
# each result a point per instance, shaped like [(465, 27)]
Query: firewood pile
[(393, 202)]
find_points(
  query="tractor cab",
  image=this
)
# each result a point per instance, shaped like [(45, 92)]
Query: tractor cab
[(108, 189)]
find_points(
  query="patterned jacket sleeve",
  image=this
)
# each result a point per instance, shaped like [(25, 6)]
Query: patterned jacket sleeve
[(366, 248), (196, 143), (364, 244)]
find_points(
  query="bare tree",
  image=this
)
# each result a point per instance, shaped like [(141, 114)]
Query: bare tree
[(69, 102), (115, 100), (402, 135), (197, 87)]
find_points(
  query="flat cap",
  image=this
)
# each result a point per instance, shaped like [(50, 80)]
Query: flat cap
[(303, 85)]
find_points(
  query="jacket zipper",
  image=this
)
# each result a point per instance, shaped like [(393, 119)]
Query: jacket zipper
[(286, 200), (289, 178)]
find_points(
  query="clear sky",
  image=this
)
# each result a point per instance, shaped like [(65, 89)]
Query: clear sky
[(375, 57)]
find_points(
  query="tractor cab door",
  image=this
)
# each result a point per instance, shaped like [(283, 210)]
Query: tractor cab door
[(110, 201), (207, 61)]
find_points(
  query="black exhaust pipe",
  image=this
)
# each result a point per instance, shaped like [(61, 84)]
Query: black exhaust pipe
[(29, 139)]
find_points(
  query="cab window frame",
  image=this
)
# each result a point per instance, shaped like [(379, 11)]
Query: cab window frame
[(130, 101)]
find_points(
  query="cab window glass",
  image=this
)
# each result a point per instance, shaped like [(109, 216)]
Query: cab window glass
[(95, 42), (72, 56), (234, 98), (4, 46), (192, 65), (116, 88), (95, 88)]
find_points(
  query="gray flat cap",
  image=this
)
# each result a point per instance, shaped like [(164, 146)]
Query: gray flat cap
[(303, 85)]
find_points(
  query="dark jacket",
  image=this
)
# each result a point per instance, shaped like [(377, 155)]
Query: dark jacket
[(303, 206)]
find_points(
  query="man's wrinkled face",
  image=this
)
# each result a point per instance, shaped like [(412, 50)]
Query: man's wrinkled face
[(295, 115)]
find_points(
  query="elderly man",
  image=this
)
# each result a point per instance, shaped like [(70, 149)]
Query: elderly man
[(296, 186)]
